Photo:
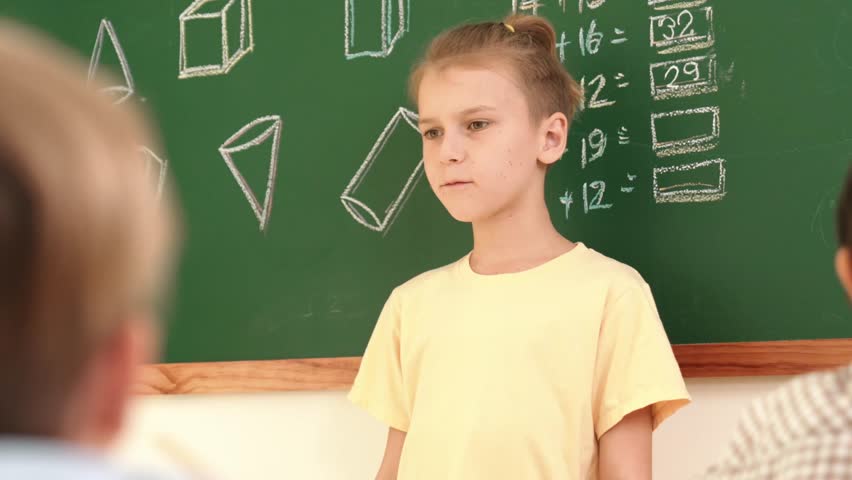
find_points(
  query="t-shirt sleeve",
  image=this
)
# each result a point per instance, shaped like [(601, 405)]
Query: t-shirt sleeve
[(635, 366), (378, 387)]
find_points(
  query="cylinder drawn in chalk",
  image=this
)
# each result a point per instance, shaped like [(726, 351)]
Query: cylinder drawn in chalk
[(386, 178)]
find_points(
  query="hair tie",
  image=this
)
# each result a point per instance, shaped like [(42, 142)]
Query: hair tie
[(508, 26)]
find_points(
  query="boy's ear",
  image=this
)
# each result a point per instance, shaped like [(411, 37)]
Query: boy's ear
[(106, 392), (555, 128), (843, 265)]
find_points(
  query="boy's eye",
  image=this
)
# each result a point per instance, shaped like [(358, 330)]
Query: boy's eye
[(431, 133), (478, 124)]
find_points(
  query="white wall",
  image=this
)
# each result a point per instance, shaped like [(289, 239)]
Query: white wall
[(697, 435), (320, 436)]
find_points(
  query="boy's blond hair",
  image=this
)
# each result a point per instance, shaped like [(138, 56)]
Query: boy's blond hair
[(83, 237), (526, 44)]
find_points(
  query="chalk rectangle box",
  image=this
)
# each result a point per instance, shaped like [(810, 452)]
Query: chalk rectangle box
[(685, 131), (695, 182)]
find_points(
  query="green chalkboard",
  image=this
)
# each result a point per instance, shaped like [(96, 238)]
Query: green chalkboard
[(725, 205)]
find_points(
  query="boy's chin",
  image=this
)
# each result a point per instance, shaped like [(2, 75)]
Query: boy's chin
[(465, 215)]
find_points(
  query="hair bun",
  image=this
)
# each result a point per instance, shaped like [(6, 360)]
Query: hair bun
[(537, 28)]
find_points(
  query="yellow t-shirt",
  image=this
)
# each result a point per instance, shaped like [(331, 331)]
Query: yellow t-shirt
[(516, 376)]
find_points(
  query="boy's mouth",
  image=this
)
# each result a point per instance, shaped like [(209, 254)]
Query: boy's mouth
[(456, 183)]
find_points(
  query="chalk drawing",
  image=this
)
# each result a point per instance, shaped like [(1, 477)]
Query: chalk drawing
[(122, 92), (155, 166), (567, 199), (683, 77), (380, 216), (597, 141), (619, 39), (560, 46), (631, 178), (226, 20), (595, 101), (590, 41), (688, 29), (526, 6), (394, 18), (697, 142), (695, 182), (271, 132), (623, 136), (598, 188), (581, 4), (673, 4)]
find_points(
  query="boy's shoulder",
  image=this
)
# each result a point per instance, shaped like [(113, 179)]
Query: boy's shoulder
[(607, 273), (826, 393), (434, 277), (608, 267)]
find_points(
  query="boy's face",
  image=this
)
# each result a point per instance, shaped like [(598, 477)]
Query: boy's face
[(481, 149)]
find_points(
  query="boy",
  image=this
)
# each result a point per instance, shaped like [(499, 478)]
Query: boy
[(532, 356), (84, 249)]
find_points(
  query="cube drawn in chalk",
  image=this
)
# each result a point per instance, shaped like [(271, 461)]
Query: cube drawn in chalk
[(694, 182), (262, 132), (155, 168), (121, 92), (386, 178), (683, 77), (380, 24), (685, 131), (214, 36)]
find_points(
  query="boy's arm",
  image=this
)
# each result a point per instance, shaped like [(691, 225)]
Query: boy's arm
[(625, 449), (393, 450)]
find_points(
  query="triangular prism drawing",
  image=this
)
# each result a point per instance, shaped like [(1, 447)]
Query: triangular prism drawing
[(155, 167), (271, 131), (122, 92)]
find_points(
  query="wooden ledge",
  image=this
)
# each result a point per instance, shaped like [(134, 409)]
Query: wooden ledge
[(696, 360)]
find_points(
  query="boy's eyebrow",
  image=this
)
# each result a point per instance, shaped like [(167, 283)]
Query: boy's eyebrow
[(463, 113)]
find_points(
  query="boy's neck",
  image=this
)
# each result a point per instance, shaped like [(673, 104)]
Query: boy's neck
[(516, 241)]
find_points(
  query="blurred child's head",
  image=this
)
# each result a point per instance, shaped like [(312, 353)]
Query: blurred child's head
[(84, 246), (843, 260), (495, 105)]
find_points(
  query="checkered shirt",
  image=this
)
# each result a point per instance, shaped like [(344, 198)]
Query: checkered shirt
[(802, 431)]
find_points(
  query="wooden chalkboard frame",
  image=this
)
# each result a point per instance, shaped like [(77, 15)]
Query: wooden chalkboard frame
[(696, 360)]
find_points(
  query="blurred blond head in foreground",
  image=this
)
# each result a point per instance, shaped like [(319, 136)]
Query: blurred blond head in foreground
[(85, 246)]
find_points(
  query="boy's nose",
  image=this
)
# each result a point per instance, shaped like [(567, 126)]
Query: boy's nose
[(452, 150)]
